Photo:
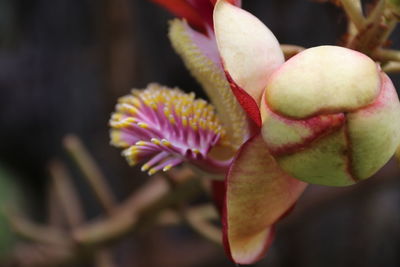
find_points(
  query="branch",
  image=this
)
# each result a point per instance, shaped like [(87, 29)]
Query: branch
[(66, 193), (36, 233), (291, 50), (171, 217), (354, 12), (140, 211), (391, 24), (104, 258), (91, 172), (391, 67), (385, 55), (202, 225)]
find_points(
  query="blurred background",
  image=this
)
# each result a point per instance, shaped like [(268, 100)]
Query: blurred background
[(64, 63)]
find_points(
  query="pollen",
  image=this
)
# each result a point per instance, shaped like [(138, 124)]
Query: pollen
[(164, 127)]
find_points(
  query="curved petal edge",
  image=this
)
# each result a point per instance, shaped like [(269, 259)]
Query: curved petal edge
[(249, 50), (257, 194)]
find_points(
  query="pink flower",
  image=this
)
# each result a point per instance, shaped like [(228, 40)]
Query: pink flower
[(256, 193), (325, 115)]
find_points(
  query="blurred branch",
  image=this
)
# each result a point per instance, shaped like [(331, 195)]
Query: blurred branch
[(41, 255), (376, 13), (136, 212), (104, 258), (36, 233), (354, 12), (67, 194), (171, 217), (55, 216), (72, 207), (91, 172), (202, 225), (291, 50), (387, 55), (391, 67)]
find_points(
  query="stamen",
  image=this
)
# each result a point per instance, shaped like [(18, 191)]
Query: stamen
[(165, 126)]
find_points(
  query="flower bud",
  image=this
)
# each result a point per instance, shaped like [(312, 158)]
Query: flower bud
[(330, 116)]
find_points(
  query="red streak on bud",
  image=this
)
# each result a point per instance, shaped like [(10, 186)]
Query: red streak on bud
[(319, 126)]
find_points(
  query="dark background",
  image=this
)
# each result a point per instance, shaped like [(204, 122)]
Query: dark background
[(63, 64)]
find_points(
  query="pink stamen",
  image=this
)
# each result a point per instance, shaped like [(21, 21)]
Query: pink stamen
[(167, 127)]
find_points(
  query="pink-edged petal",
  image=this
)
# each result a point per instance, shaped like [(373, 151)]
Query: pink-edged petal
[(200, 55), (205, 10), (258, 193), (249, 50), (246, 101), (233, 2), (184, 9), (199, 13)]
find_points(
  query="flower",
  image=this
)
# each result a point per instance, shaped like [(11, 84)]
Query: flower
[(166, 126), (341, 122), (256, 192), (329, 116)]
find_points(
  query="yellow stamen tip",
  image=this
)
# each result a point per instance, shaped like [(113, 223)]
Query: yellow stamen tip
[(145, 167), (152, 171), (140, 143), (167, 168), (166, 142), (155, 141), (143, 125)]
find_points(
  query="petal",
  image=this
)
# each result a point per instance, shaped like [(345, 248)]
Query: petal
[(249, 50), (184, 9), (246, 101), (205, 9), (258, 193), (233, 2), (200, 56)]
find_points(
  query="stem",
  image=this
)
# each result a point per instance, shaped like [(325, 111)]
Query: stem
[(391, 67), (171, 217), (377, 13), (352, 29), (141, 210), (36, 233), (91, 172), (387, 55), (70, 204), (354, 12), (55, 216), (370, 37), (291, 50), (67, 195), (202, 226), (390, 26), (104, 258)]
